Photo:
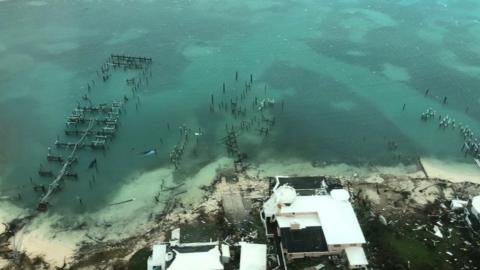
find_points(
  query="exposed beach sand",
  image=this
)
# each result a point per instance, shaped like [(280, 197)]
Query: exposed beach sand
[(52, 232), (203, 177), (452, 170), (39, 239), (118, 221)]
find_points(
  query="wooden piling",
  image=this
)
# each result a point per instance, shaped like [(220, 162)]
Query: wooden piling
[(55, 185)]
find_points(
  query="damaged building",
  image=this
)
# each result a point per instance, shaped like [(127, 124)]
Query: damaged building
[(472, 213), (174, 255), (313, 217)]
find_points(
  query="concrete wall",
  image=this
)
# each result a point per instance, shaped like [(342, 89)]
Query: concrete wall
[(332, 250), (339, 248), (299, 255)]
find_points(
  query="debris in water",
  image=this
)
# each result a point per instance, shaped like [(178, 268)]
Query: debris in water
[(148, 153)]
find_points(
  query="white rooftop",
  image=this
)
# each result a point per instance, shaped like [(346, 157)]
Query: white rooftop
[(158, 257), (253, 256), (337, 218), (209, 260), (476, 204), (356, 256), (340, 194)]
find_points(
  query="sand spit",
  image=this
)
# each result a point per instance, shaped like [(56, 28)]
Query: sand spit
[(117, 231)]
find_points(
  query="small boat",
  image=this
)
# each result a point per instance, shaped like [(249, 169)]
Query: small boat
[(148, 153)]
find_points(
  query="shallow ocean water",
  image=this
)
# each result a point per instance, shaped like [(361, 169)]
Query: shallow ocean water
[(343, 69)]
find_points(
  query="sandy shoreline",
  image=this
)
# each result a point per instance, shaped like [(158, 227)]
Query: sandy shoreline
[(51, 232), (64, 235), (453, 171), (340, 170)]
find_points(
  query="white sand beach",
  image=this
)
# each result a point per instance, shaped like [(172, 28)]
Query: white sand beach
[(453, 171)]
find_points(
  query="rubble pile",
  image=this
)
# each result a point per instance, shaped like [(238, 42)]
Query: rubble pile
[(418, 223)]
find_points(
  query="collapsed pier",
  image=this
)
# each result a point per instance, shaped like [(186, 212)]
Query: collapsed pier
[(247, 108), (89, 126)]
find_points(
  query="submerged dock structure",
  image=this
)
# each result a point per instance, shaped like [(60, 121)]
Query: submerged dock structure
[(231, 145), (132, 62), (247, 110), (471, 142), (178, 150), (43, 203), (87, 129), (89, 126)]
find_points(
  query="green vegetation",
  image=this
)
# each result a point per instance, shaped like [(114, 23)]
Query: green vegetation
[(408, 249), (139, 259)]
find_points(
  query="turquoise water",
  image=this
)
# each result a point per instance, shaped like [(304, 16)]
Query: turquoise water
[(343, 69)]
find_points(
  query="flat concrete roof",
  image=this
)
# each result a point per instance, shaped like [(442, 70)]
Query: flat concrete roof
[(337, 218)]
